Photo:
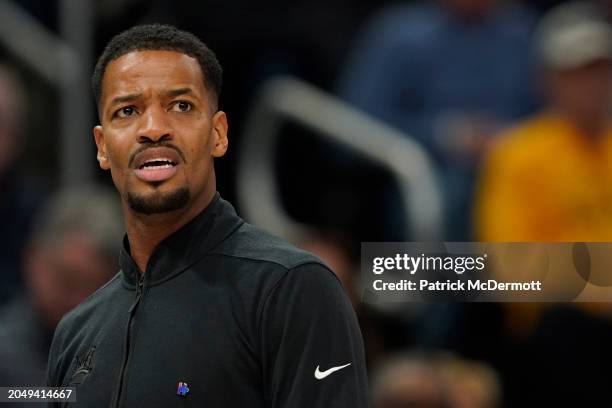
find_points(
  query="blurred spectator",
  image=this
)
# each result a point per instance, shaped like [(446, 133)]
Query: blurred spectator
[(70, 254), (434, 381), (19, 198), (549, 178), (526, 194), (408, 381), (470, 384), (450, 73)]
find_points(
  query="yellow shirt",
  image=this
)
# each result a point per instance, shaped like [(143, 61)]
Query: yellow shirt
[(543, 181)]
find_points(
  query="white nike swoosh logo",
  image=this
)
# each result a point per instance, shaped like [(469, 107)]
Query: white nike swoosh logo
[(319, 375)]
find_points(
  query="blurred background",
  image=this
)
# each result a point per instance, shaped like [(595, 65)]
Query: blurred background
[(350, 121)]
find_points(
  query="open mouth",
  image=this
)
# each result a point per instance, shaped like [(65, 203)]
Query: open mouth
[(157, 164), (156, 170)]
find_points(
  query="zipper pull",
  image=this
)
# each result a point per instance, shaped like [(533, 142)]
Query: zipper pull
[(138, 293), (140, 283)]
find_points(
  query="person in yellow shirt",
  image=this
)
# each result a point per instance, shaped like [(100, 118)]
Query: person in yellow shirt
[(547, 180), (550, 177)]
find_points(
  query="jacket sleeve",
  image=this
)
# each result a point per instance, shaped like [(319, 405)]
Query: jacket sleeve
[(312, 347)]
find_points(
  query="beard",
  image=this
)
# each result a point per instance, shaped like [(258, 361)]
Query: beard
[(158, 203)]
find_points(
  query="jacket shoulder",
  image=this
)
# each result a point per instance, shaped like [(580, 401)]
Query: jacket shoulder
[(90, 304), (252, 243)]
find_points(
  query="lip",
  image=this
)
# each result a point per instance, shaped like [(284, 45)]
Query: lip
[(155, 153), (155, 174), (158, 173)]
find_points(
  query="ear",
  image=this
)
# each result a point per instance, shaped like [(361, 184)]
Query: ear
[(219, 134), (98, 133)]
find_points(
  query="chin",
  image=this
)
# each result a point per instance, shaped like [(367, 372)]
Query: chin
[(158, 202)]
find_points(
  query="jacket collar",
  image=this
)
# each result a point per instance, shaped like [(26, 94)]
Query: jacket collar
[(184, 247)]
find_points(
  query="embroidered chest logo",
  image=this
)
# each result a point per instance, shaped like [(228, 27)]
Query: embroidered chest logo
[(182, 389), (84, 366)]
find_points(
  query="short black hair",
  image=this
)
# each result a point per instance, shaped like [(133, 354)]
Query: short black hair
[(151, 37)]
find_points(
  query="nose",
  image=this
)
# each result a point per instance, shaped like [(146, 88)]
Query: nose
[(154, 126)]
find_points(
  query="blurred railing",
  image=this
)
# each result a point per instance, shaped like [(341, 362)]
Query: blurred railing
[(288, 99), (64, 61)]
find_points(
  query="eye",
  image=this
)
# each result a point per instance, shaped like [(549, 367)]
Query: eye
[(125, 112), (182, 106)]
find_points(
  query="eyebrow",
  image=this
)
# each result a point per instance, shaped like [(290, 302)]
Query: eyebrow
[(177, 92), (125, 98), (133, 96)]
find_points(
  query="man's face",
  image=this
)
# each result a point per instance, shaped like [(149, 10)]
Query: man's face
[(159, 131), (585, 91)]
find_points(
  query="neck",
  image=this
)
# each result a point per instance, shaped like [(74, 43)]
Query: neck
[(590, 123), (145, 232), (592, 127)]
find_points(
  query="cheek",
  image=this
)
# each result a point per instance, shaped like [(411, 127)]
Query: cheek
[(198, 173), (117, 159), (199, 149)]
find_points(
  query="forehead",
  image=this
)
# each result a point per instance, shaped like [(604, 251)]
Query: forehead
[(141, 71)]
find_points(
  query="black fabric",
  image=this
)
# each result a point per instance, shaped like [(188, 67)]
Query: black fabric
[(239, 315)]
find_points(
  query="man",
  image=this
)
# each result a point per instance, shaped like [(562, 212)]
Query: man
[(70, 254), (549, 178), (207, 310), (435, 380)]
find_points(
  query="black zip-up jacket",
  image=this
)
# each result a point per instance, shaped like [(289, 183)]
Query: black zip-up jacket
[(225, 315)]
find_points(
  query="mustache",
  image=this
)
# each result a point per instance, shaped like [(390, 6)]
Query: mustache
[(152, 145)]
